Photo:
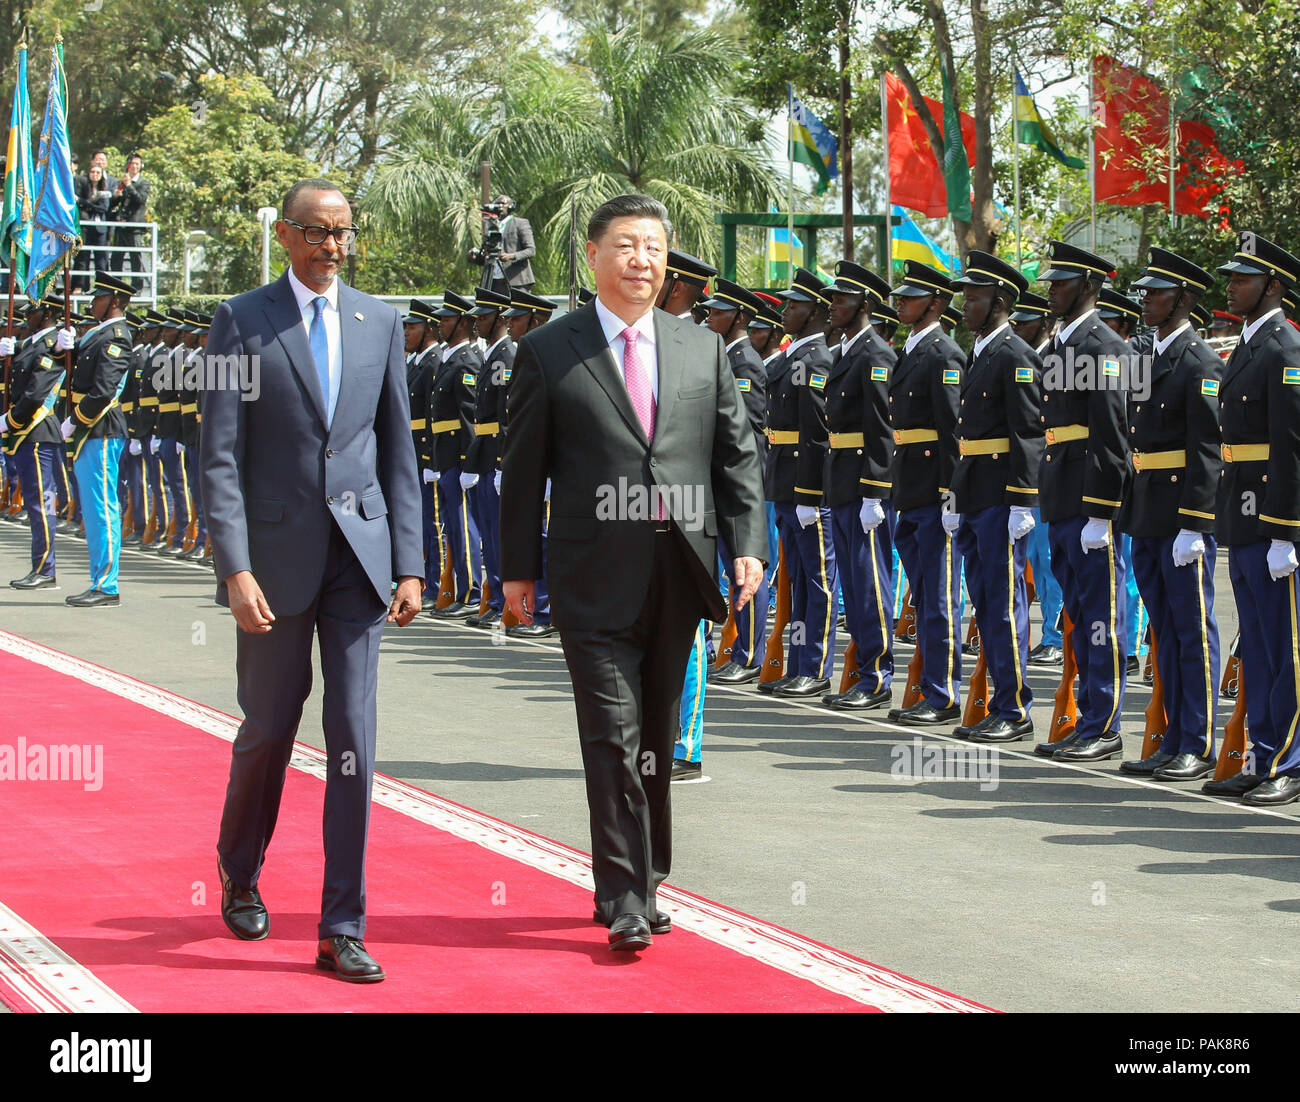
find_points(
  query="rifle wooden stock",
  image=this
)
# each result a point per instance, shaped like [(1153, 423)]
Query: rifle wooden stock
[(1232, 750), (1231, 684), (485, 598), (912, 693), (1065, 712), (849, 677), (1031, 590), (729, 634), (1157, 723), (446, 580), (977, 688), (774, 654), (905, 625)]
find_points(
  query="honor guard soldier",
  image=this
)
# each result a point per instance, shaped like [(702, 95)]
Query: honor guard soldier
[(483, 460), (731, 310), (1169, 512), (1258, 516), (949, 320), (32, 437), (685, 281), (765, 334), (451, 426), (1081, 487), (1122, 314), (529, 311), (96, 430), (420, 331), (858, 481), (169, 367), (924, 390), (796, 385), (132, 456), (995, 487), (885, 322), (1201, 319), (1032, 321), (149, 359), (191, 426)]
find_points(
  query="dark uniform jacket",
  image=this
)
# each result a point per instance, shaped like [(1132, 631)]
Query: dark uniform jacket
[(451, 399), (146, 398), (1181, 414), (484, 455), (1259, 403), (1000, 401), (104, 356), (1088, 476), (168, 370), (37, 371), (861, 455), (419, 383), (794, 473), (192, 368), (924, 389), (751, 380)]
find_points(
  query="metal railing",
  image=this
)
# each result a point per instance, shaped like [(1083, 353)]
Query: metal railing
[(103, 257)]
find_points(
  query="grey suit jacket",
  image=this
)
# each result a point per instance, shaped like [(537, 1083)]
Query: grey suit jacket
[(517, 239), (273, 475)]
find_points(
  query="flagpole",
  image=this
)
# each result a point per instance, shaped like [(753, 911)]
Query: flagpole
[(888, 229), (1092, 163), (1173, 147), (789, 142), (1015, 151)]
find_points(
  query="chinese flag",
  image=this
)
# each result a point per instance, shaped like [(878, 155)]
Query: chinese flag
[(915, 177)]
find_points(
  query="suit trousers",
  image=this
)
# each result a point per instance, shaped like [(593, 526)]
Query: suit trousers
[(136, 474), (35, 464), (627, 688), (274, 677), (933, 568)]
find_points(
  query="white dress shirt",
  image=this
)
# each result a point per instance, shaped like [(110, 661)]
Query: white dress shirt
[(1161, 345), (613, 327), (1248, 331), (1063, 334), (982, 343), (333, 337), (915, 338)]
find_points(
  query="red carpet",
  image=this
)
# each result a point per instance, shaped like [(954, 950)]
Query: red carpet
[(109, 898)]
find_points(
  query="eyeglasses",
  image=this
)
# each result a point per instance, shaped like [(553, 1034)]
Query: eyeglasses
[(315, 235)]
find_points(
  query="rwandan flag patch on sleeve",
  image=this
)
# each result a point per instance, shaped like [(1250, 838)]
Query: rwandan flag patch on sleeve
[(1291, 376), (468, 378), (1210, 386), (879, 374), (951, 377), (1024, 374), (113, 350), (743, 384), (817, 382), (509, 372), (1110, 367)]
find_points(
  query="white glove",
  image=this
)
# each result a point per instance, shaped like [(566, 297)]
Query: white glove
[(135, 447), (871, 514), (7, 345), (496, 482), (1281, 559), (1188, 547), (805, 514), (546, 495), (65, 339), (1020, 522), (428, 475), (180, 448), (951, 522), (66, 428), (468, 481), (1095, 535), (154, 443)]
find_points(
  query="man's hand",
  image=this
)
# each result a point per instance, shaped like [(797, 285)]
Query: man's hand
[(871, 514), (429, 475), (406, 601), (180, 448), (1188, 547), (64, 339), (506, 258), (521, 599), (749, 575), (67, 428), (468, 481), (1020, 522), (951, 522), (1094, 535), (1281, 559), (496, 481), (805, 514), (135, 447), (247, 603), (7, 345), (154, 445)]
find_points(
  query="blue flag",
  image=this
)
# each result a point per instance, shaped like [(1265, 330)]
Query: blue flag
[(55, 225), (16, 216)]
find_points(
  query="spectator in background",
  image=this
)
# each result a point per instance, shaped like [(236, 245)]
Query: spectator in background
[(128, 205), (93, 198)]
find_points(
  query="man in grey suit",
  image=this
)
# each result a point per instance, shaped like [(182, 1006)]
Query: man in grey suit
[(313, 502), (635, 417), (517, 247)]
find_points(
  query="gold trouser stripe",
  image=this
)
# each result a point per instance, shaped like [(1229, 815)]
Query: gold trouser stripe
[(1243, 453), (697, 659), (782, 436), (1295, 674), (144, 488), (490, 428), (464, 527), (45, 524), (1159, 461), (108, 523), (828, 658), (419, 424), (952, 614), (445, 426), (915, 436), (1021, 714), (1117, 659), (1207, 735), (1063, 434), (886, 644), (991, 446), (846, 440)]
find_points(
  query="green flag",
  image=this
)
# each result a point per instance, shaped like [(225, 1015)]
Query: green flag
[(956, 172), (16, 215), (1032, 130)]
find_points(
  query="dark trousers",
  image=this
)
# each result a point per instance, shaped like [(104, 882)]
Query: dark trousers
[(193, 484), (933, 567), (274, 672), (751, 621), (174, 472), (36, 464), (137, 488), (1092, 590), (866, 569), (431, 527), (995, 580), (462, 537), (627, 687), (810, 564), (155, 479), (487, 512)]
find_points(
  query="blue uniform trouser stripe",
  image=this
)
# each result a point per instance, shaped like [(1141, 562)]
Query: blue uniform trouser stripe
[(1095, 599), (191, 458), (34, 466), (1181, 601), (462, 537), (487, 508), (1135, 617), (690, 742), (865, 567), (810, 562), (751, 621), (933, 567), (96, 471), (1046, 588), (171, 464), (431, 528)]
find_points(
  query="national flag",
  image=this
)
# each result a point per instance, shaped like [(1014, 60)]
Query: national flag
[(910, 242), (811, 143), (780, 271), (55, 225), (915, 180), (1032, 130), (16, 215), (956, 170)]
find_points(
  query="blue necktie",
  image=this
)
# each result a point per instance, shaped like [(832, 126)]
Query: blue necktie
[(320, 351)]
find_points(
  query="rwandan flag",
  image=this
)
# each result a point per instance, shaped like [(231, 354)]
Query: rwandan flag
[(811, 143), (55, 226), (16, 215), (1031, 130), (910, 242)]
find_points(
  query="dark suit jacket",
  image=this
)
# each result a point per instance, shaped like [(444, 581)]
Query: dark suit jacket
[(924, 389), (571, 420), (274, 477), (517, 239)]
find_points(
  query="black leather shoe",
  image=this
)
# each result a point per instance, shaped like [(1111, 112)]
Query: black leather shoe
[(35, 581), (684, 770), (172, 551), (1184, 767), (92, 598), (457, 610), (857, 699), (770, 687), (1133, 664), (734, 674), (1043, 655), (1047, 749), (133, 539), (1144, 767), (966, 732), (194, 554), (242, 909), (803, 685), (926, 714), (531, 631), (662, 924), (1003, 730), (347, 958), (1234, 787), (1101, 748), (629, 933), (1273, 793)]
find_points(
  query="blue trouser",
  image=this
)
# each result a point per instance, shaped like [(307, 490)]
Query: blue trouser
[(137, 489), (96, 471), (487, 514), (1135, 619), (34, 465), (1092, 588), (1046, 587), (933, 567), (995, 580), (751, 621), (810, 563), (690, 743), (1268, 613), (12, 478), (431, 528), (174, 472), (1181, 600), (462, 537), (156, 479), (192, 483), (865, 566)]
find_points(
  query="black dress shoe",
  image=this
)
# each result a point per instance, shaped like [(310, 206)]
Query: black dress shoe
[(967, 731), (803, 685), (1273, 793), (1132, 664), (926, 714), (629, 933), (1184, 767), (734, 674), (1233, 787), (457, 610), (1144, 767), (35, 581), (92, 598), (661, 923), (770, 687), (684, 770), (857, 699), (132, 540), (242, 909), (1100, 748), (172, 551), (194, 554), (1003, 730), (1047, 749), (347, 958), (1043, 655), (531, 631)]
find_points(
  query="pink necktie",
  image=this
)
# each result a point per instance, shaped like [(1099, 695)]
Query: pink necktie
[(638, 384)]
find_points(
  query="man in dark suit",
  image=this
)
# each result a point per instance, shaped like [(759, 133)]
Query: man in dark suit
[(130, 196), (635, 417), (313, 508)]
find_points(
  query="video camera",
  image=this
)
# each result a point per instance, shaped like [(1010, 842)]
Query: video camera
[(488, 254)]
